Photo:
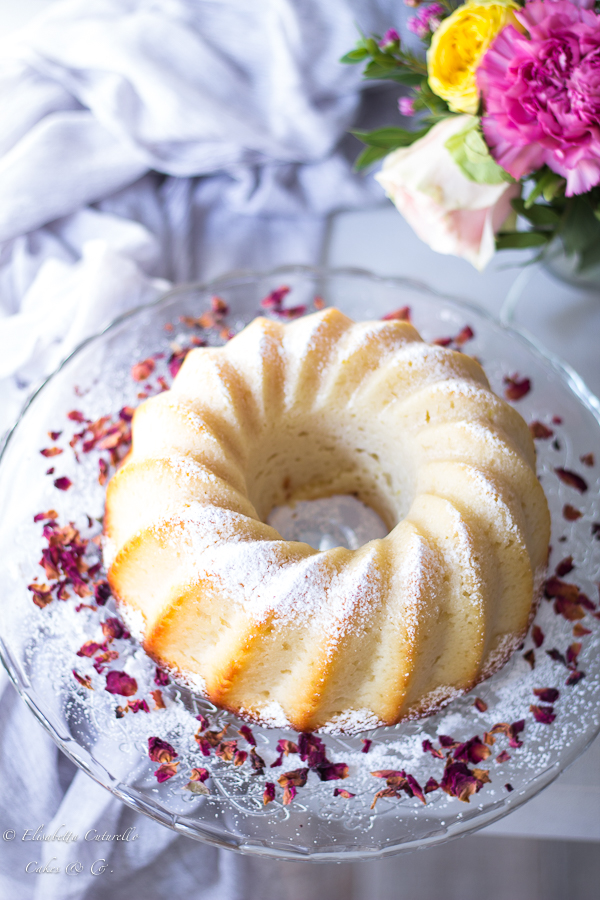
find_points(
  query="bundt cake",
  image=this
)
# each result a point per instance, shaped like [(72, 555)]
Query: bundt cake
[(337, 640)]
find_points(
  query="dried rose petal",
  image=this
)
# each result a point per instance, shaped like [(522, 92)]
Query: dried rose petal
[(587, 459), (312, 750), (219, 306), (275, 298), (226, 750), (240, 757), (504, 756), (102, 472), (161, 678), (63, 483), (464, 335), (447, 742), (472, 751), (196, 787), (247, 734), (509, 788), (458, 781), (166, 771), (41, 595), (384, 792), (88, 649), (557, 656), (138, 706), (84, 680), (269, 793), (574, 678), (160, 751), (289, 792), (120, 683), (572, 479), (45, 516), (529, 658), (143, 370), (480, 704), (158, 699), (537, 635), (516, 387), (432, 785), (102, 593), (199, 774), (402, 315), (564, 566), (51, 451), (489, 738), (547, 695), (540, 431), (342, 792), (580, 631), (389, 773), (296, 777), (204, 745), (319, 303), (555, 587), (570, 513), (543, 714), (204, 722), (366, 745), (573, 652), (54, 435), (429, 748), (76, 416), (112, 628), (257, 763), (414, 788), (333, 772)]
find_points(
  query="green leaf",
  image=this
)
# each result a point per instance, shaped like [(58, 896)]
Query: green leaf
[(580, 229), (369, 156), (541, 216), (549, 185), (589, 257), (397, 72), (520, 239), (390, 138), (471, 154), (355, 56)]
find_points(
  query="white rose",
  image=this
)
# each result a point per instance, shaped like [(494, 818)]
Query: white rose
[(448, 211)]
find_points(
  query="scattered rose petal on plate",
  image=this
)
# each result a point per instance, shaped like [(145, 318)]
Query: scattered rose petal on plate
[(516, 387), (120, 683), (572, 479), (63, 483), (161, 751), (540, 431), (166, 771), (402, 315), (543, 714), (547, 695), (84, 680)]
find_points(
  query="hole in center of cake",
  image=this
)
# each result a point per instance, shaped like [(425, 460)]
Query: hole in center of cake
[(338, 521)]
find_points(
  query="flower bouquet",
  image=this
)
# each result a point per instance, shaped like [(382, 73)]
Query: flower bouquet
[(505, 152)]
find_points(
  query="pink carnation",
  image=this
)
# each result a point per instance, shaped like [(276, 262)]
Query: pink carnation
[(542, 94)]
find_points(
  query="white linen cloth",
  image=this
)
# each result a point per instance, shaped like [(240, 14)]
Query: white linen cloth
[(143, 143)]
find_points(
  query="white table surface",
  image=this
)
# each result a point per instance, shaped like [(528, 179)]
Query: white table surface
[(565, 320)]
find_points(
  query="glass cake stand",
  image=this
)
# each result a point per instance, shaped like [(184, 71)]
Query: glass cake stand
[(39, 645)]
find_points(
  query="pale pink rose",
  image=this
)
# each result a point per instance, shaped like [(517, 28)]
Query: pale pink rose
[(447, 210)]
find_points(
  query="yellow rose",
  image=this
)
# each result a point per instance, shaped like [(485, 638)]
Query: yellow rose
[(458, 46)]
